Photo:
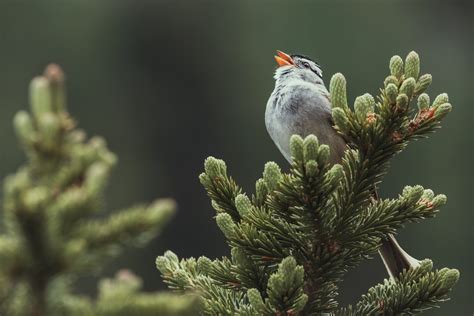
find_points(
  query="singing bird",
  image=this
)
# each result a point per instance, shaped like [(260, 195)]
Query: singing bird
[(300, 104)]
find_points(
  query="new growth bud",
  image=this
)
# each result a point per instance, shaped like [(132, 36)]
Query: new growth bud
[(439, 200), (242, 204), (392, 92), (261, 189), (311, 167), (204, 264), (412, 65), (40, 96), (450, 278), (441, 99), (271, 175), (364, 104), (423, 83), (215, 167), (402, 100), (226, 224), (442, 110), (171, 257), (296, 147), (24, 127), (323, 154), (341, 120), (255, 300), (423, 102), (408, 87), (413, 194), (337, 88), (310, 147), (390, 79), (335, 174), (49, 129), (35, 198), (396, 66)]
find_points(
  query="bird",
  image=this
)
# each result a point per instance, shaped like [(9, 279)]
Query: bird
[(300, 104)]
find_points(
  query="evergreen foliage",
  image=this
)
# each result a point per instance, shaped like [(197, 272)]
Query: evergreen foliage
[(294, 239), (51, 230)]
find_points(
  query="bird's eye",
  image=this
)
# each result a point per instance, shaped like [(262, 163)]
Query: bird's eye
[(306, 64)]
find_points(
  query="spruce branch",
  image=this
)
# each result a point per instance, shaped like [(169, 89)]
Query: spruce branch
[(416, 291), (293, 242), (49, 236)]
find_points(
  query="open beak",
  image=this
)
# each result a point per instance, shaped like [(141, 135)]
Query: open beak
[(283, 59)]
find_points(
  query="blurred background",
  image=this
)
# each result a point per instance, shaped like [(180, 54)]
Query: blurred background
[(168, 83)]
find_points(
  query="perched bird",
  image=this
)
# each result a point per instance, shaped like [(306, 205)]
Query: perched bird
[(300, 104)]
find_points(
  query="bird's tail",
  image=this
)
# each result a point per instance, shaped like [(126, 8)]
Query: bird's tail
[(395, 258)]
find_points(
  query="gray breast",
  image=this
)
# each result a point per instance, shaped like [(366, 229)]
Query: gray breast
[(302, 109)]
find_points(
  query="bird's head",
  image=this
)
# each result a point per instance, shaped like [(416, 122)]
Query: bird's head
[(297, 66)]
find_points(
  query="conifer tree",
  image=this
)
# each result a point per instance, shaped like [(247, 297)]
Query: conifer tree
[(294, 239), (51, 233)]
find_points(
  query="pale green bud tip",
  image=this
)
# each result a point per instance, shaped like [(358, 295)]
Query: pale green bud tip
[(311, 167), (406, 190), (337, 88), (340, 118), (368, 98), (441, 99), (35, 198), (402, 100), (391, 91), (408, 87), (310, 147), (23, 126), (423, 83), (296, 147), (451, 277), (413, 194), (412, 65), (203, 178), (165, 207), (40, 96), (204, 264), (255, 299), (428, 194), (390, 79), (215, 167), (96, 175), (261, 189), (443, 109), (336, 173), (271, 174), (49, 127), (287, 265), (423, 101), (396, 66), (426, 265), (439, 200), (243, 204), (226, 224), (171, 256), (324, 153), (363, 105)]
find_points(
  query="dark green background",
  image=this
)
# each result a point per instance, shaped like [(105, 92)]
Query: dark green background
[(169, 83)]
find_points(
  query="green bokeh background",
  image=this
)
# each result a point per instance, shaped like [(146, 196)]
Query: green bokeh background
[(169, 83)]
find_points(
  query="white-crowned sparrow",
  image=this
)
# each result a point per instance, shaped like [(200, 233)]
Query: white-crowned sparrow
[(300, 104)]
